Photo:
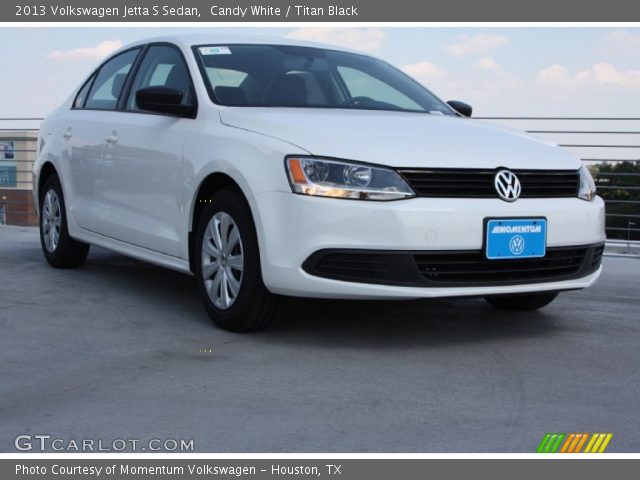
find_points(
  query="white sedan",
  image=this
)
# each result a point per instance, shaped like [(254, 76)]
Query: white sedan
[(274, 168)]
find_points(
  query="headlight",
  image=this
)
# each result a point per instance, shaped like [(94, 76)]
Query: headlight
[(333, 178), (587, 185)]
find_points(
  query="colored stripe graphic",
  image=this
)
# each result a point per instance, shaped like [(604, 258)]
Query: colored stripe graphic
[(551, 442), (573, 442), (543, 443), (565, 447), (598, 443), (581, 442)]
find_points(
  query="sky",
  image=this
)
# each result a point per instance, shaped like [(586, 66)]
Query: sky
[(561, 71)]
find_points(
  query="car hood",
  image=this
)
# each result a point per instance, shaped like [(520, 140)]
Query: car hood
[(400, 139)]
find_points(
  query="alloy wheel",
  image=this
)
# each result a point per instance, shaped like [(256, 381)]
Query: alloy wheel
[(222, 260), (51, 220)]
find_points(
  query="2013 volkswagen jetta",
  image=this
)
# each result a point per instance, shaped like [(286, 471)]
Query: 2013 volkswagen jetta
[(273, 168)]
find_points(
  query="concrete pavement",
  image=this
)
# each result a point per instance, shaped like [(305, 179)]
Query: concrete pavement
[(123, 349)]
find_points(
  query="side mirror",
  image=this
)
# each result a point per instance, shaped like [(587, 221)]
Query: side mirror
[(163, 100), (462, 108)]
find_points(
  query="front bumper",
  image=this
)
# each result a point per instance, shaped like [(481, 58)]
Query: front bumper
[(294, 227)]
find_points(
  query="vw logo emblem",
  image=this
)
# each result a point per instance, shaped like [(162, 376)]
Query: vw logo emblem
[(516, 244), (507, 185)]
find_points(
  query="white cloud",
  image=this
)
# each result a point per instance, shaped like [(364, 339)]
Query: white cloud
[(558, 76), (425, 72), (365, 39), (479, 44), (87, 53), (598, 75), (605, 73), (487, 63)]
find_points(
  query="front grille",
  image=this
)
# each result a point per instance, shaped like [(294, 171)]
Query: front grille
[(478, 183), (452, 268), (473, 267)]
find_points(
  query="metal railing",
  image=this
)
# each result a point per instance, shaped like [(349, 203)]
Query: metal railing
[(612, 152)]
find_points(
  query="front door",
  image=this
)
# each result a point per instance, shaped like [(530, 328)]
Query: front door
[(143, 159)]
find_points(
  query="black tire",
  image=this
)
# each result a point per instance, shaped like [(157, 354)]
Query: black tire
[(67, 252), (525, 302), (254, 307)]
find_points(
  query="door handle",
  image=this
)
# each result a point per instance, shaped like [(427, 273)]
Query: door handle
[(67, 133), (111, 139)]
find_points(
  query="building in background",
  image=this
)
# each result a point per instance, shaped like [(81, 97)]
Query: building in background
[(17, 153)]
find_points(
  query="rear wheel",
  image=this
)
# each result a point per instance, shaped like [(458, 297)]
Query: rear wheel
[(228, 270), (524, 302), (60, 250)]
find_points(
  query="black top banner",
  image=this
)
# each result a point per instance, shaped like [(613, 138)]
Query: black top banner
[(319, 11)]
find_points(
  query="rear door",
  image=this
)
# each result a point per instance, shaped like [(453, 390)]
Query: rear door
[(84, 136), (143, 162)]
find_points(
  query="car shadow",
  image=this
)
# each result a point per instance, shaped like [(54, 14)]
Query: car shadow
[(401, 324), (334, 323)]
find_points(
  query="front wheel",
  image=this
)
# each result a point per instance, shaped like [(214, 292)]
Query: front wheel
[(60, 250), (227, 266), (524, 302)]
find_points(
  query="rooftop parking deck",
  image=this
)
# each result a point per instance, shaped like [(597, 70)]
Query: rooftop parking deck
[(123, 349)]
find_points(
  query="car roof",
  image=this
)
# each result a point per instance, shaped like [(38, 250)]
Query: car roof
[(188, 40)]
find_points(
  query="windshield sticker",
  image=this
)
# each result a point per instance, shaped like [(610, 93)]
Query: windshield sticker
[(215, 51)]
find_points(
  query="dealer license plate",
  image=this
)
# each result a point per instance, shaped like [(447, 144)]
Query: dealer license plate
[(508, 238)]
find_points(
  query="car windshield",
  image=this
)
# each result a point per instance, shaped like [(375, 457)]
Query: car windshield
[(292, 76)]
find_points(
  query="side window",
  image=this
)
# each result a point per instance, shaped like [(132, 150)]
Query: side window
[(110, 80), (162, 66), (82, 94), (362, 84)]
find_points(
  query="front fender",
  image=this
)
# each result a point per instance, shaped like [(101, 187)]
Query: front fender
[(253, 161)]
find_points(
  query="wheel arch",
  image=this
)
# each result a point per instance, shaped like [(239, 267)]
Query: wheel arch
[(210, 184), (47, 169)]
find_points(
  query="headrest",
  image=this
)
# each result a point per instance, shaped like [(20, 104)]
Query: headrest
[(289, 89), (117, 84)]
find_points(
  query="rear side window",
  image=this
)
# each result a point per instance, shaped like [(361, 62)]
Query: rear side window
[(110, 80), (82, 94), (162, 66)]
